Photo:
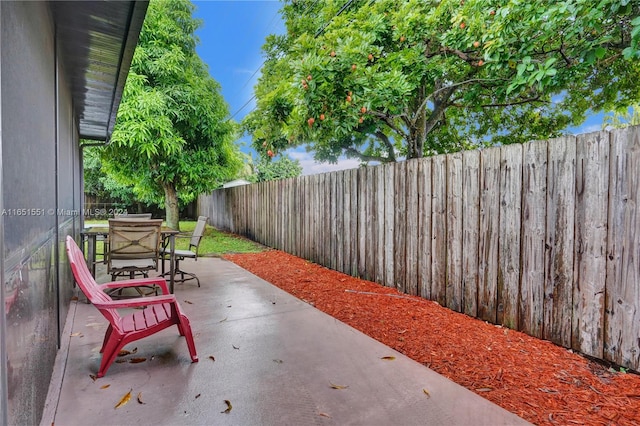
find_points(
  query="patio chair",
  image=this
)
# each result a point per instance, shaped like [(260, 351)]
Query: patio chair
[(105, 241), (191, 252), (134, 248), (132, 216), (159, 312)]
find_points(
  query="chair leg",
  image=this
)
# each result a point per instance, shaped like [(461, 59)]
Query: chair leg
[(107, 336), (111, 351), (185, 329)]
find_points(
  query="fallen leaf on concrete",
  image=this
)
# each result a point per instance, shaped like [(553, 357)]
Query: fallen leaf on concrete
[(104, 386), (93, 377), (190, 303), (139, 398), (137, 360), (426, 392), (124, 352), (235, 347), (77, 334), (229, 407), (333, 386), (212, 358), (126, 398), (388, 358), (324, 415)]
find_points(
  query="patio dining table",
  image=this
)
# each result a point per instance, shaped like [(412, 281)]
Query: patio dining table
[(91, 234)]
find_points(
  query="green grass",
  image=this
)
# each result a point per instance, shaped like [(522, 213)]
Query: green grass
[(213, 243), (217, 243)]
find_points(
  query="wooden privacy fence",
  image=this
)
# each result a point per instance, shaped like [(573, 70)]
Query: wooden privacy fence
[(542, 237)]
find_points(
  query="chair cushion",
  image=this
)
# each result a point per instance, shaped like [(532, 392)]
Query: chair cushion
[(180, 253), (133, 263)]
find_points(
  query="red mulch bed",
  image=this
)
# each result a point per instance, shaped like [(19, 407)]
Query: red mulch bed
[(535, 379)]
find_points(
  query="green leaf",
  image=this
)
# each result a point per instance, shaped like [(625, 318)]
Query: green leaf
[(600, 52)]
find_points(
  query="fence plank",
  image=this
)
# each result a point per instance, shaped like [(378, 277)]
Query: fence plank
[(470, 225), (263, 212), (327, 227), (354, 222), (269, 217), (559, 253), (399, 244), (622, 329), (380, 226), (265, 217), (424, 227), (310, 218), (439, 229), (346, 221), (590, 265), (301, 213), (453, 216), (319, 218), (411, 256), (258, 213), (339, 218), (509, 239), (370, 242), (275, 216), (291, 222), (389, 220), (314, 211), (534, 202), (333, 222), (296, 216), (488, 232), (362, 223), (283, 189), (301, 216)]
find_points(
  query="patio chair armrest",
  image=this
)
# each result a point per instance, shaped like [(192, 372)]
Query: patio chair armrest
[(138, 282), (137, 302)]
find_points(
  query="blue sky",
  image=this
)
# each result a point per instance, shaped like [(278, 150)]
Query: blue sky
[(231, 38)]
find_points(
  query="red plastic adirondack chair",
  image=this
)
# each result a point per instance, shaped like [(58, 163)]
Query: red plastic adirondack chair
[(159, 313)]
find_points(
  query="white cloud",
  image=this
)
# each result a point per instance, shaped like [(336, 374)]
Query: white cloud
[(589, 129), (312, 167)]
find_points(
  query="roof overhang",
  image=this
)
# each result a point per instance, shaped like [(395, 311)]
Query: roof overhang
[(96, 41)]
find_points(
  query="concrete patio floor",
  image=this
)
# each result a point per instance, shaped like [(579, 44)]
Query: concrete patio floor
[(276, 359)]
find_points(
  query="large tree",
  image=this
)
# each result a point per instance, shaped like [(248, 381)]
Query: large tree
[(102, 185), (172, 139), (380, 79), (282, 168)]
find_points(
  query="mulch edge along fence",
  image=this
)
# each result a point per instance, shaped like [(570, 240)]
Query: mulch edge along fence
[(542, 237)]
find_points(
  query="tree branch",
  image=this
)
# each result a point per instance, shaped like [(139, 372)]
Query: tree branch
[(388, 120), (385, 140), (453, 86), (355, 153), (460, 54), (440, 105), (520, 102)]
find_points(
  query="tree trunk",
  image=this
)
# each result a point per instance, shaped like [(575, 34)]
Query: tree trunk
[(418, 131), (421, 124), (171, 205)]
